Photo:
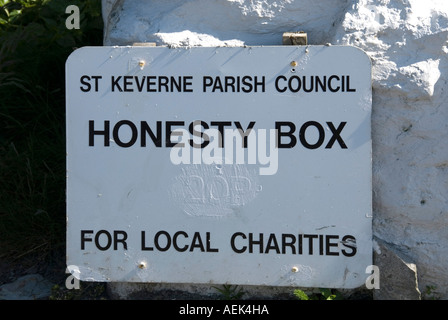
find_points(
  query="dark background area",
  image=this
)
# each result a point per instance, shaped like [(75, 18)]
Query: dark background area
[(34, 45)]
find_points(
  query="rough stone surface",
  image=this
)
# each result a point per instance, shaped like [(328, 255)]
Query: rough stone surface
[(398, 276), (28, 287), (217, 22), (407, 43)]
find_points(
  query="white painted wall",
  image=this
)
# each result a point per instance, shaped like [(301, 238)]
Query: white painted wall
[(407, 41)]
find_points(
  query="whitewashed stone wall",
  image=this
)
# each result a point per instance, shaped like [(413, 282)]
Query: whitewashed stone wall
[(407, 41)]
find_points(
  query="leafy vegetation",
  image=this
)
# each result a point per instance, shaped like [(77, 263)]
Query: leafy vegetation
[(34, 45), (324, 294), (230, 292)]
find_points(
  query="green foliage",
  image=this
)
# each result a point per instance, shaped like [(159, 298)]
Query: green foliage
[(429, 293), (325, 294), (230, 292), (301, 295), (34, 45)]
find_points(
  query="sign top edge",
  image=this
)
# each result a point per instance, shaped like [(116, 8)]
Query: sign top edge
[(280, 47)]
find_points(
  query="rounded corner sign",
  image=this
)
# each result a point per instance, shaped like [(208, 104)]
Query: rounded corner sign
[(241, 165)]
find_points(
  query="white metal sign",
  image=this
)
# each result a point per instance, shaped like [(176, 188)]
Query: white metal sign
[(247, 165)]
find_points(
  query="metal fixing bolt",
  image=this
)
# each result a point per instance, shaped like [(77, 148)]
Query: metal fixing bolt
[(293, 64), (295, 269), (141, 64), (142, 265)]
